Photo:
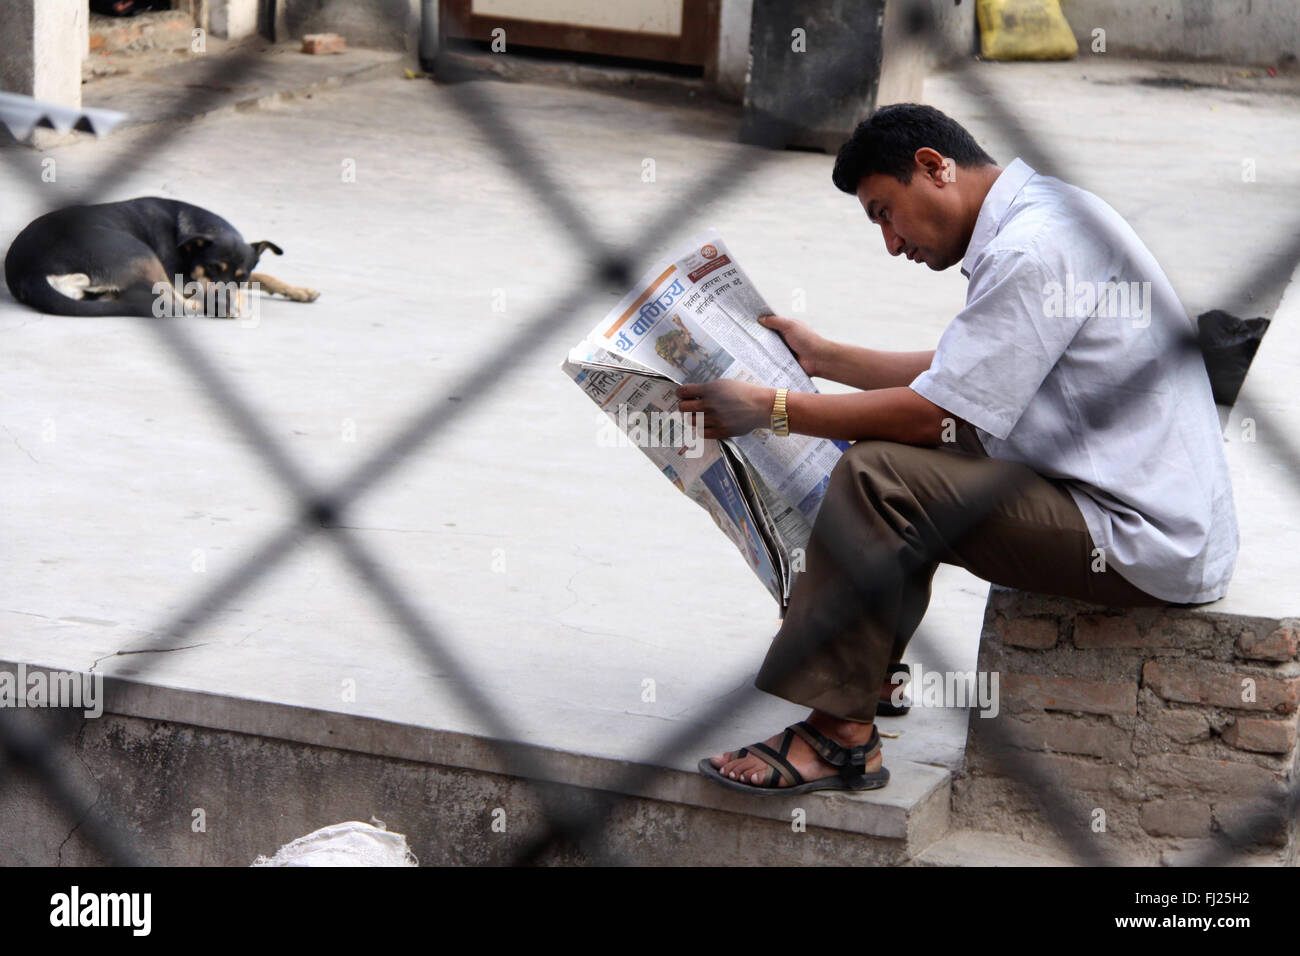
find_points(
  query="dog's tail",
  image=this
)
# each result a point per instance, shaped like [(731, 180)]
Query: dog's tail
[(36, 292)]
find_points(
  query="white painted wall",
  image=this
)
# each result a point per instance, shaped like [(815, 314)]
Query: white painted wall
[(1243, 31), (638, 16)]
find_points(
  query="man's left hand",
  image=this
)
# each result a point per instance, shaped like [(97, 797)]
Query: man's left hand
[(729, 407)]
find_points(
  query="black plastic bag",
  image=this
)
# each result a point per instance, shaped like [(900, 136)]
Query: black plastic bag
[(1228, 345)]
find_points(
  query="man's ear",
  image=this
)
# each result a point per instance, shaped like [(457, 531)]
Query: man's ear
[(262, 245), (935, 166)]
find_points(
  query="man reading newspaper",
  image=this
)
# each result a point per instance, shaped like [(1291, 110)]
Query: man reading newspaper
[(1053, 442)]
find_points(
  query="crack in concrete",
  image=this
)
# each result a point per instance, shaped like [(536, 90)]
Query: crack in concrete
[(19, 445), (147, 650), (592, 632), (43, 617), (62, 619), (251, 634), (99, 792), (568, 585)]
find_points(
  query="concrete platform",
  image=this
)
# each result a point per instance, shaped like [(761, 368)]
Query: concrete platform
[(165, 86), (563, 575)]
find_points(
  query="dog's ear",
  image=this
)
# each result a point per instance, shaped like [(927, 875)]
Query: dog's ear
[(191, 233), (262, 245)]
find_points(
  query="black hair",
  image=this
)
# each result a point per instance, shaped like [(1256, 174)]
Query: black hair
[(887, 141)]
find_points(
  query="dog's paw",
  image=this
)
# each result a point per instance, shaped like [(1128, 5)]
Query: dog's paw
[(299, 294)]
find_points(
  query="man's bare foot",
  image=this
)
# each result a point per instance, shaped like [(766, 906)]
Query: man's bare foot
[(752, 770)]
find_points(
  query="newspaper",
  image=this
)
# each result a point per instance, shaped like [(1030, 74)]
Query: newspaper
[(694, 318)]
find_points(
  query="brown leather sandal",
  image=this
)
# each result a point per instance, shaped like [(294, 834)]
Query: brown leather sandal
[(851, 762)]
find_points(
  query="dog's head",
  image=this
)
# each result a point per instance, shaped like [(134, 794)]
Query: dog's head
[(211, 258)]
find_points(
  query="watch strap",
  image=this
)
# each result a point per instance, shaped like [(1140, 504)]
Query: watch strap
[(780, 415)]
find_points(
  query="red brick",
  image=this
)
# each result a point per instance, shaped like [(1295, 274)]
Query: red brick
[(1070, 694), (1262, 735), (1182, 726), (1280, 644), (1177, 817), (1265, 815), (1036, 632), (1202, 684), (321, 43), (1069, 773), (1181, 772), (1065, 734), (1117, 630)]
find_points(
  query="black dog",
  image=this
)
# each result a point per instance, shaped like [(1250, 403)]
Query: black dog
[(147, 257)]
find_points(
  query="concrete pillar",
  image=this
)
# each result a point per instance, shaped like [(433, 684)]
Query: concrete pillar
[(233, 19), (904, 60), (733, 48), (42, 43), (83, 41), (814, 71)]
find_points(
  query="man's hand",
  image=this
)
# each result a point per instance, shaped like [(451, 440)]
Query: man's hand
[(808, 347), (729, 407), (848, 364)]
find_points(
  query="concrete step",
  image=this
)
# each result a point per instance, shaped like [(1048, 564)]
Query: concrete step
[(966, 847), (265, 773)]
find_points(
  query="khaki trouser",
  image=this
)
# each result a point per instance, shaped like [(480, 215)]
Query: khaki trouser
[(891, 514)]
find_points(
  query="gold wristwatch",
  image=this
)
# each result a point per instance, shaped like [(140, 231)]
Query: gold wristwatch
[(780, 417)]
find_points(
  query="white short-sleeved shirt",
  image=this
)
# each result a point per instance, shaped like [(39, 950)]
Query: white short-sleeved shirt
[(1074, 356)]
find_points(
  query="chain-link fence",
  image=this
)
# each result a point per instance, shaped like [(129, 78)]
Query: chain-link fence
[(320, 510)]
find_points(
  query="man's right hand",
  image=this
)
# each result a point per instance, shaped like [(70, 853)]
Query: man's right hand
[(808, 347)]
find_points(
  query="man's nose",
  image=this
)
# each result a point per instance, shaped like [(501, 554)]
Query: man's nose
[(893, 242)]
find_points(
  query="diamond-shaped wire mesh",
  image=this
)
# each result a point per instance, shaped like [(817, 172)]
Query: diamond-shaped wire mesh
[(320, 509)]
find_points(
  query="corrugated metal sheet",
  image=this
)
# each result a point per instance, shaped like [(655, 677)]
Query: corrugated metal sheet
[(21, 114)]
